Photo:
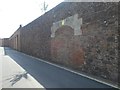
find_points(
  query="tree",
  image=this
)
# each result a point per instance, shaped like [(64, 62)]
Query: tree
[(44, 7)]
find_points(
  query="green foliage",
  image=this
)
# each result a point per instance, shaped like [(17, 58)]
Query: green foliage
[(44, 7)]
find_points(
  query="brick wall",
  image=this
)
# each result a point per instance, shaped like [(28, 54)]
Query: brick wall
[(35, 38), (14, 40), (5, 42), (96, 46), (88, 42)]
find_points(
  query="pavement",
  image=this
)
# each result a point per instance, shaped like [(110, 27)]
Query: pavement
[(48, 75), (13, 75), (1, 56)]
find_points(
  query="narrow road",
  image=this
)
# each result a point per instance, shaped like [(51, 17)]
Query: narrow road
[(50, 76)]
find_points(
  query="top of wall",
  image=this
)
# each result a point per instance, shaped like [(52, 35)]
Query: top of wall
[(16, 32), (67, 9)]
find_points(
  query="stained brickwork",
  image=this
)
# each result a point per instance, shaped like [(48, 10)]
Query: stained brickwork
[(98, 42), (65, 47)]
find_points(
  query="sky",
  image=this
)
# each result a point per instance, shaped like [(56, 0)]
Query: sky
[(16, 12)]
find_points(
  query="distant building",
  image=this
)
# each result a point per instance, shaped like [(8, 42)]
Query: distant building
[(5, 42), (0, 42)]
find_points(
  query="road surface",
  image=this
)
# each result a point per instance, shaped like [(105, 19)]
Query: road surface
[(50, 76)]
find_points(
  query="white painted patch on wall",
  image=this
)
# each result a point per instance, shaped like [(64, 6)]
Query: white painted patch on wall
[(71, 21)]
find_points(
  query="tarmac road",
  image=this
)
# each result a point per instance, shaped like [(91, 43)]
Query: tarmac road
[(50, 76)]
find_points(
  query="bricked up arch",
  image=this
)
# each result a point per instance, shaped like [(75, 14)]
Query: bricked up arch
[(64, 47)]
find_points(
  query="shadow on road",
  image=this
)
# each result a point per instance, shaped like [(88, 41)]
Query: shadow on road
[(17, 77)]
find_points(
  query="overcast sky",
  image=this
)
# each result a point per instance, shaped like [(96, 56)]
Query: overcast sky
[(16, 12)]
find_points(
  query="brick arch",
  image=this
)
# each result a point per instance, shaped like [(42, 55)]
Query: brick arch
[(65, 31), (65, 48)]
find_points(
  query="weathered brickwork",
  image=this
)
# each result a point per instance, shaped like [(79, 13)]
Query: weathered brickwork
[(5, 42), (88, 42), (101, 50), (14, 40), (72, 21), (35, 38), (98, 43), (65, 47)]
